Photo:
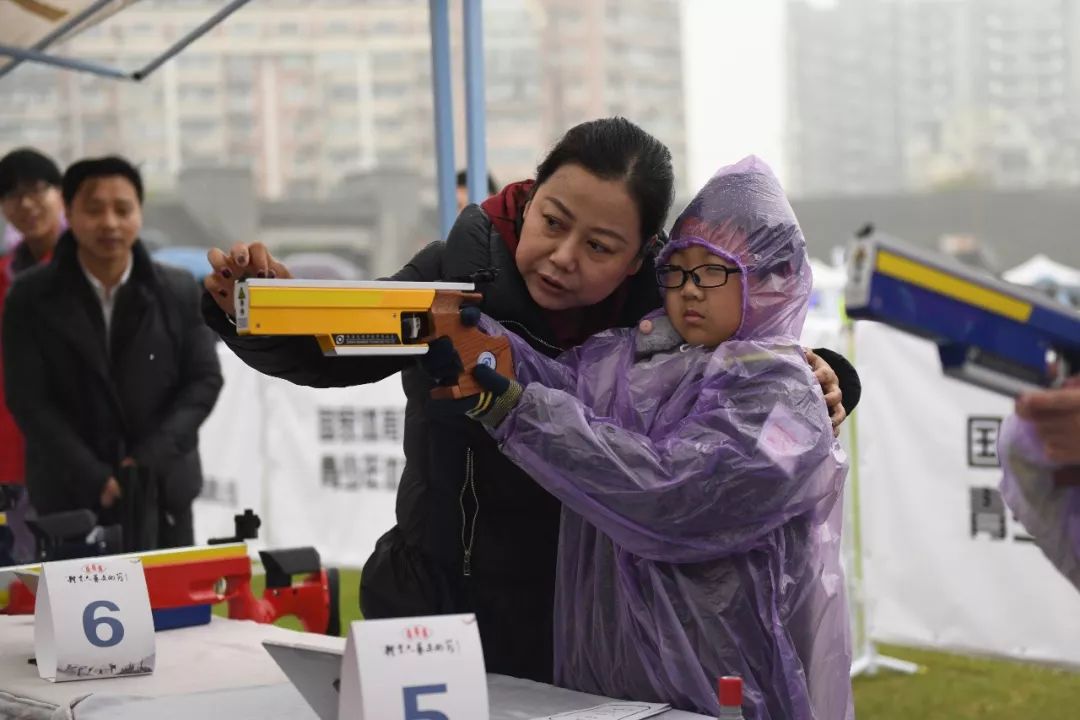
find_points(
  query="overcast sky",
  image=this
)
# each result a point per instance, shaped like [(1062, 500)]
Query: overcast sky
[(734, 83)]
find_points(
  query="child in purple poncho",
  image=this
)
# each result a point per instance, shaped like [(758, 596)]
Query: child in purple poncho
[(699, 475)]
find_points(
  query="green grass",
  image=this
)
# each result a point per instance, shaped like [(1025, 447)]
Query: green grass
[(952, 687), (955, 687)]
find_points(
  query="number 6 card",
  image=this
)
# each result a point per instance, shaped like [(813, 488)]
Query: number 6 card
[(92, 620)]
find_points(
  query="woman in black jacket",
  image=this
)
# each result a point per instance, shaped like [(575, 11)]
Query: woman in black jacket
[(571, 255)]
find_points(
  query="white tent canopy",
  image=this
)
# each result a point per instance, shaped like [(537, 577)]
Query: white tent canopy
[(827, 276), (26, 22), (36, 24), (29, 27), (1040, 270)]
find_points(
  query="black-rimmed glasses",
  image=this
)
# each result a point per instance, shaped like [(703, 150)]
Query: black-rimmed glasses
[(705, 276), (34, 191)]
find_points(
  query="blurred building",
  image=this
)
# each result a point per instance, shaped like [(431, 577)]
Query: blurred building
[(368, 230), (994, 228), (614, 57), (893, 95), (307, 92)]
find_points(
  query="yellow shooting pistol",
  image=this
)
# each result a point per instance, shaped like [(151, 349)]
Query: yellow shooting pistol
[(362, 318)]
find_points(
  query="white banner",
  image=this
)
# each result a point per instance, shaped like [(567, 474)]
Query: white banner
[(334, 460), (319, 466), (947, 566), (232, 446)]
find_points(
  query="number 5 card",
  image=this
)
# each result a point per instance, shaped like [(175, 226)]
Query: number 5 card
[(92, 620), (427, 668)]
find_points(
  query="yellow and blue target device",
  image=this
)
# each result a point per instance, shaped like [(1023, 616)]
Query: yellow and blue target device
[(999, 336)]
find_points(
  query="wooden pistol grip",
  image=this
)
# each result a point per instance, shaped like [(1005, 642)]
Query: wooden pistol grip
[(473, 345)]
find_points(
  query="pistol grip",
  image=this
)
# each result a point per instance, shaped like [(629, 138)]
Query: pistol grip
[(475, 348)]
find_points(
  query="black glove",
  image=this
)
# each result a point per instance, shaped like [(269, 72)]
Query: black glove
[(490, 407), (850, 384), (442, 362)]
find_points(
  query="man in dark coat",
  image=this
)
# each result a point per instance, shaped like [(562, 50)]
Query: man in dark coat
[(109, 369)]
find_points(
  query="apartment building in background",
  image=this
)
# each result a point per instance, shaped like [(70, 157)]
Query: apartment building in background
[(909, 95)]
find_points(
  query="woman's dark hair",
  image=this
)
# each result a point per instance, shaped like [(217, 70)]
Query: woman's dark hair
[(94, 168), (617, 149)]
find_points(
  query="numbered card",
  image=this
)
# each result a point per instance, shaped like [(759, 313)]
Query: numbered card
[(427, 668), (92, 620)]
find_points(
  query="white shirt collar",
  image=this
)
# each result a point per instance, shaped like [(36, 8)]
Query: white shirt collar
[(107, 298), (103, 293)]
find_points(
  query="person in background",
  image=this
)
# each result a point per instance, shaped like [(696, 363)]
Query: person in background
[(33, 210), (108, 367), (1039, 448), (463, 188)]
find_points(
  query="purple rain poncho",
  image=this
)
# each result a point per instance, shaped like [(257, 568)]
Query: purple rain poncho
[(1050, 512), (701, 488)]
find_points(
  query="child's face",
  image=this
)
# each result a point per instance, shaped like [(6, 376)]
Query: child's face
[(704, 316)]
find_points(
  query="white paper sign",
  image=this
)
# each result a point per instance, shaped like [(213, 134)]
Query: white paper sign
[(613, 711), (92, 620), (426, 668), (934, 523)]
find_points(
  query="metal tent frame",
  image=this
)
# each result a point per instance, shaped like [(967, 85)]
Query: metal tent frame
[(475, 111), (439, 11), (37, 53)]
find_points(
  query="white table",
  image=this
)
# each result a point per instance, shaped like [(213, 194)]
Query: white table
[(217, 670)]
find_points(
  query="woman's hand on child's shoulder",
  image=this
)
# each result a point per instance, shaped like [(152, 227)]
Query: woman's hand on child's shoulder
[(830, 387)]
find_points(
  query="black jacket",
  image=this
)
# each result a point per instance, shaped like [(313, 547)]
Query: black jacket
[(457, 489), (85, 402)]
